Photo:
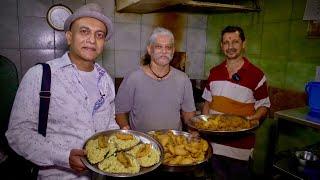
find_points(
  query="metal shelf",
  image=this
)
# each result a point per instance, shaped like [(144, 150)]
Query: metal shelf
[(284, 160), (298, 115)]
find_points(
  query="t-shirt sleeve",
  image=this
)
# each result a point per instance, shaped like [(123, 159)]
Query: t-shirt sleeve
[(261, 94), (206, 95), (188, 100), (124, 97)]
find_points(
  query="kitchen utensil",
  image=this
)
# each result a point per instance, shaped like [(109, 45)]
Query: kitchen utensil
[(186, 167), (144, 138), (313, 91), (192, 121), (306, 158)]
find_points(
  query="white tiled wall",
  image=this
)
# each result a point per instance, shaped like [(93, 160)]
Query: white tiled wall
[(26, 37), (126, 61), (30, 57), (108, 61)]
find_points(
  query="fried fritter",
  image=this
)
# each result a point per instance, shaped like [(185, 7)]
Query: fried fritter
[(180, 150), (123, 159), (124, 141), (224, 122), (124, 136), (145, 154), (103, 141)]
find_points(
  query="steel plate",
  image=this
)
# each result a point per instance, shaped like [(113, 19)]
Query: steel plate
[(192, 121), (185, 167), (144, 138)]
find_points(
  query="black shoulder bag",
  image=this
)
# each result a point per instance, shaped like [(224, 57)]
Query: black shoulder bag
[(23, 168), (44, 99)]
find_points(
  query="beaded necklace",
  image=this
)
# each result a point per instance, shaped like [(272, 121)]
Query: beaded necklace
[(159, 78)]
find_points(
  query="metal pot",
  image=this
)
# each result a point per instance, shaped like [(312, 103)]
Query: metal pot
[(307, 158)]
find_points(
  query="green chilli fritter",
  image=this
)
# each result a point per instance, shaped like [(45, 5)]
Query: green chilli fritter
[(97, 149), (145, 154), (124, 141), (120, 163)]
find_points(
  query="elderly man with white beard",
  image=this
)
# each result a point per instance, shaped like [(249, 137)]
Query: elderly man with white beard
[(156, 95)]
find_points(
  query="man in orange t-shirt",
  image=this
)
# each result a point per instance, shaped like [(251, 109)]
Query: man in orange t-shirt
[(235, 87)]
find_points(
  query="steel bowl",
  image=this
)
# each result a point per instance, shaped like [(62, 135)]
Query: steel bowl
[(144, 138), (306, 158)]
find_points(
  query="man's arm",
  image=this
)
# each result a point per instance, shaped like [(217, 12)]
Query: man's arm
[(123, 120), (205, 108), (260, 114), (22, 132), (187, 115)]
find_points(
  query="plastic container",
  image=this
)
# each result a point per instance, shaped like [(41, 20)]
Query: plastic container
[(313, 92)]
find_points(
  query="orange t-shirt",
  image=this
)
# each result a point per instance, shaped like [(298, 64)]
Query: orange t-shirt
[(239, 97)]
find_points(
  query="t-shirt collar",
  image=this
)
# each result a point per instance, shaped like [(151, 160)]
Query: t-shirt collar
[(244, 66)]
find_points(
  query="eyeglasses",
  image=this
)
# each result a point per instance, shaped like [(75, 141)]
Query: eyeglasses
[(236, 77)]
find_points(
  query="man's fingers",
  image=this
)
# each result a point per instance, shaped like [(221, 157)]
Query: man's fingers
[(78, 152), (75, 159)]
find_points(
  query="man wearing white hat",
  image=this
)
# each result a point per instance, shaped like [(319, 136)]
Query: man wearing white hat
[(81, 101)]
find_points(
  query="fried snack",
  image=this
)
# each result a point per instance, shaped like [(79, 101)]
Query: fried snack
[(164, 139), (124, 136), (223, 122), (95, 152), (186, 160), (121, 163), (145, 154), (103, 141), (175, 160), (180, 150), (124, 141), (124, 160)]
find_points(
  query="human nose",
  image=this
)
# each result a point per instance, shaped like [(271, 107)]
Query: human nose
[(91, 38), (163, 49), (230, 45)]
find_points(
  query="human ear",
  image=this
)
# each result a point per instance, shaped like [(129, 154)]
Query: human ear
[(149, 49), (69, 37)]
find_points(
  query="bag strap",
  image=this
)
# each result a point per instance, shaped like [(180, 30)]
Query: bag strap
[(44, 99)]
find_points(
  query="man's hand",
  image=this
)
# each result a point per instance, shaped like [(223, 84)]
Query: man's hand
[(126, 127), (123, 120), (253, 117), (194, 133), (253, 120), (258, 116), (75, 161)]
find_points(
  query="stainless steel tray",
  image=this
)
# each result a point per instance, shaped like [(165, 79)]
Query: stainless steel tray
[(187, 167), (191, 122), (144, 138)]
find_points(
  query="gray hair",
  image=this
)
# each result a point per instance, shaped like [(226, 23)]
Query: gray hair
[(160, 31)]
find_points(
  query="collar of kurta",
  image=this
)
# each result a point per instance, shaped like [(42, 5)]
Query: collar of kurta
[(65, 62)]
